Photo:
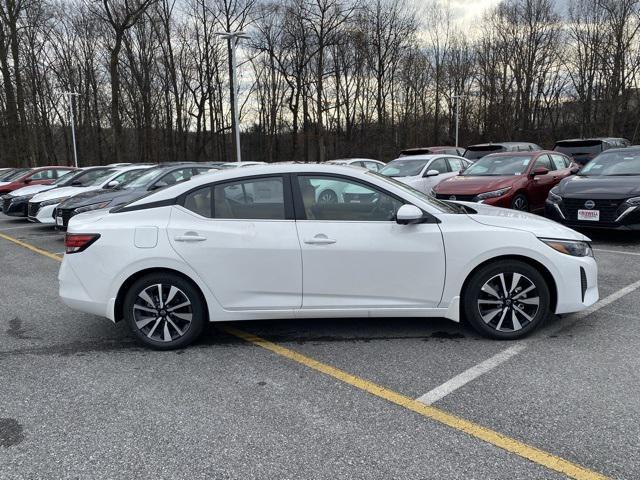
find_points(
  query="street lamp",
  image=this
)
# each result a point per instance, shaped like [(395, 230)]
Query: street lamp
[(234, 38), (457, 97), (72, 122)]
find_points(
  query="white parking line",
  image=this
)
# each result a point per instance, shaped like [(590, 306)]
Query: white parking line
[(637, 254), (471, 374), (486, 366)]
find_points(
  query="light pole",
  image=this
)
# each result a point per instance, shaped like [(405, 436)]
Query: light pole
[(234, 38), (457, 97), (73, 128)]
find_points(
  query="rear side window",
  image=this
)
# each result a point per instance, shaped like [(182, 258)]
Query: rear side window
[(257, 199), (456, 164)]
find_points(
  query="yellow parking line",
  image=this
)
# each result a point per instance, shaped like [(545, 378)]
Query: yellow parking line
[(31, 247), (509, 444), (512, 445)]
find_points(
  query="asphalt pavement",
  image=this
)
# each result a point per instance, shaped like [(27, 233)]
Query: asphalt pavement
[(80, 399)]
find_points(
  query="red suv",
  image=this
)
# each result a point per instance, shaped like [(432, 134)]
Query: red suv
[(35, 176), (518, 180)]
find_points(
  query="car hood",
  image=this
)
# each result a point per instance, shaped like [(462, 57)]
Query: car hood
[(31, 190), (503, 217), (600, 187), (463, 185), (408, 180), (113, 196), (61, 192)]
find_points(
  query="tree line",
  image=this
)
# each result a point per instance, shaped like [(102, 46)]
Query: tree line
[(318, 79)]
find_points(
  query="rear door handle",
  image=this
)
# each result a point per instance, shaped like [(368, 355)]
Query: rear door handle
[(319, 239), (190, 237)]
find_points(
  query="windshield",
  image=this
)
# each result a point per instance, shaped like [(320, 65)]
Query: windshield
[(65, 178), (495, 166), (143, 180), (611, 164), (438, 204), (15, 174), (403, 168)]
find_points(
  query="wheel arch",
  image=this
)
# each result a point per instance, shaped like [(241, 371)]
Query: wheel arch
[(126, 285), (544, 271)]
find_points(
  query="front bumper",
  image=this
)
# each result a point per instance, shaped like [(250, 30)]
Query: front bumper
[(14, 207), (577, 285), (61, 217), (614, 214), (42, 214)]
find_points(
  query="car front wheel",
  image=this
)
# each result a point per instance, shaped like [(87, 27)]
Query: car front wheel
[(506, 300), (164, 311)]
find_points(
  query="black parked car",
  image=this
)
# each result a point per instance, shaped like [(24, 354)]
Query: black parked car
[(474, 152), (584, 149), (152, 179), (18, 206), (604, 194)]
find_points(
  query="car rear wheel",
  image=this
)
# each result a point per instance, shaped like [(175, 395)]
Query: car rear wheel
[(164, 311), (506, 300), (520, 202)]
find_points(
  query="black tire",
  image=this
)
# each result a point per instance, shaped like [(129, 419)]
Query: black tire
[(182, 323), (328, 196), (520, 202), (506, 317)]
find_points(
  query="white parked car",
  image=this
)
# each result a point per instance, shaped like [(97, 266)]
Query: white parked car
[(241, 164), (423, 172), (42, 205), (197, 252), (368, 163)]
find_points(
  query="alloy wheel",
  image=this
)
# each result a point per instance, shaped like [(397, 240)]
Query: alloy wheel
[(520, 203), (162, 312), (508, 302)]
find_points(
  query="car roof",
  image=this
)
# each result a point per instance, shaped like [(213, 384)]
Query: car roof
[(425, 156), (511, 144), (520, 153)]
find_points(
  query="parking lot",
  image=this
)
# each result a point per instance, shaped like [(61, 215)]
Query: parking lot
[(315, 398)]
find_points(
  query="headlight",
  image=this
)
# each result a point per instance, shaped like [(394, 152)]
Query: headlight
[(554, 197), (93, 206), (633, 201), (53, 201), (574, 248), (494, 194)]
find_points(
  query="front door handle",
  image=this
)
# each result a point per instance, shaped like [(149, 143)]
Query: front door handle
[(319, 239), (190, 237)]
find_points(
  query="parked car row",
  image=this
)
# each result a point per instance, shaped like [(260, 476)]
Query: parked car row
[(49, 200)]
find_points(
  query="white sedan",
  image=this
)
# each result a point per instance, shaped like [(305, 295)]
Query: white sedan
[(368, 163), (423, 172), (197, 252)]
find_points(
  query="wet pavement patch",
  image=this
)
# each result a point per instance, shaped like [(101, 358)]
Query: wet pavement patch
[(11, 432)]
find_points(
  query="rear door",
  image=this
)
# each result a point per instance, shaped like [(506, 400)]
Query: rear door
[(241, 239)]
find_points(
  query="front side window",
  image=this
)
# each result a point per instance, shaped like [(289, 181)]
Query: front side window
[(331, 198), (440, 165), (257, 199), (543, 162), (559, 162)]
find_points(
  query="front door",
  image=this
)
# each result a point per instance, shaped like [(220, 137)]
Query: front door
[(355, 255), (241, 239)]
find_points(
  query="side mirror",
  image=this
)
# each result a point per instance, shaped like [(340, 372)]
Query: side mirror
[(575, 169), (540, 171), (408, 214), (76, 183), (27, 181), (156, 187), (112, 184), (432, 173)]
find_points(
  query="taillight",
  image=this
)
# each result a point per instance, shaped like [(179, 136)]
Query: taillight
[(77, 242)]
